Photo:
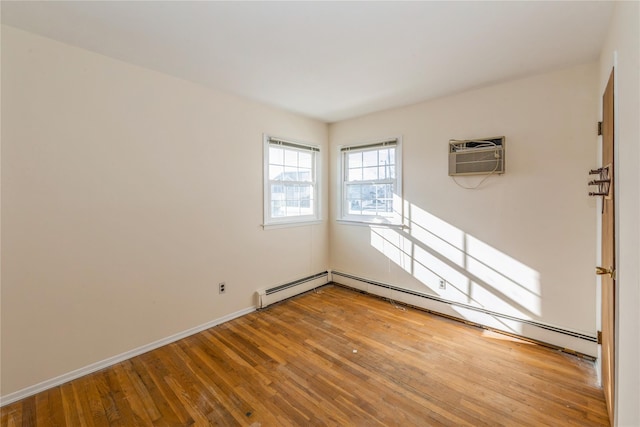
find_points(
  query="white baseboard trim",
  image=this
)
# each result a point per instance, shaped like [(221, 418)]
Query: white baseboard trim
[(566, 340), (53, 382)]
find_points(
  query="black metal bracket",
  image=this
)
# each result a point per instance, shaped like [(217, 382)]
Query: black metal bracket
[(603, 182)]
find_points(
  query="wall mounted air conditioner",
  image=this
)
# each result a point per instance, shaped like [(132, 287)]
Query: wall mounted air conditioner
[(476, 156)]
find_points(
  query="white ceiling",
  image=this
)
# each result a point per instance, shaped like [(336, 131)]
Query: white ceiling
[(330, 60)]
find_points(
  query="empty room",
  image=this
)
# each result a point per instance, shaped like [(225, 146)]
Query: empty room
[(320, 213)]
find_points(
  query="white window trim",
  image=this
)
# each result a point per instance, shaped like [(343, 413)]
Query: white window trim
[(370, 220), (268, 221)]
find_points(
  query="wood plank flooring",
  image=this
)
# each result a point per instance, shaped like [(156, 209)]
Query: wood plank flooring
[(337, 358)]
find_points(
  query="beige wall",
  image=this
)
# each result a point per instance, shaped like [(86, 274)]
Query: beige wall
[(529, 232), (127, 195), (622, 49)]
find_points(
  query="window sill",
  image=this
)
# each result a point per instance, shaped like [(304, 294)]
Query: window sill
[(371, 224), (275, 225)]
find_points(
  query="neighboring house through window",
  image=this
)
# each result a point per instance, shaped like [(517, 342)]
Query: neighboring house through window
[(290, 177), (371, 190)]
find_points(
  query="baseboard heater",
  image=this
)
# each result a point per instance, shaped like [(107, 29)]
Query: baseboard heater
[(266, 297), (566, 340)]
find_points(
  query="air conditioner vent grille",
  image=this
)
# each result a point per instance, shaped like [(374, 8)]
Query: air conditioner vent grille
[(477, 156)]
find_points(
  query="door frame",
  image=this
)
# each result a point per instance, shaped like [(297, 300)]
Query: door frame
[(613, 67)]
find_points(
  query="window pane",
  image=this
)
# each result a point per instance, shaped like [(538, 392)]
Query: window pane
[(384, 172), (304, 192), (304, 175), (304, 160), (290, 174), (354, 192), (291, 194), (384, 191), (370, 174), (355, 207), (276, 156), (370, 158), (354, 199), (277, 192), (391, 172), (369, 192), (277, 208), (290, 158), (275, 172), (306, 199), (355, 175), (354, 160), (292, 208), (383, 156)]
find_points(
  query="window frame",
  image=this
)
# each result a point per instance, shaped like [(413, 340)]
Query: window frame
[(270, 221), (397, 218)]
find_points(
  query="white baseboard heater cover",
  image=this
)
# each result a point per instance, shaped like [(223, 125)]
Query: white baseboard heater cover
[(570, 341), (266, 297)]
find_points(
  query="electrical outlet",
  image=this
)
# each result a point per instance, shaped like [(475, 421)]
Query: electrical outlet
[(222, 287), (442, 284)]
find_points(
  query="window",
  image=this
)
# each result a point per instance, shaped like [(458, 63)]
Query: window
[(290, 180), (371, 189)]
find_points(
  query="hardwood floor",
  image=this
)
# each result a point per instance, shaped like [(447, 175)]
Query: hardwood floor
[(332, 358)]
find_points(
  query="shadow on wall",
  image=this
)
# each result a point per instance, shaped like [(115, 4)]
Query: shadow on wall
[(475, 274)]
